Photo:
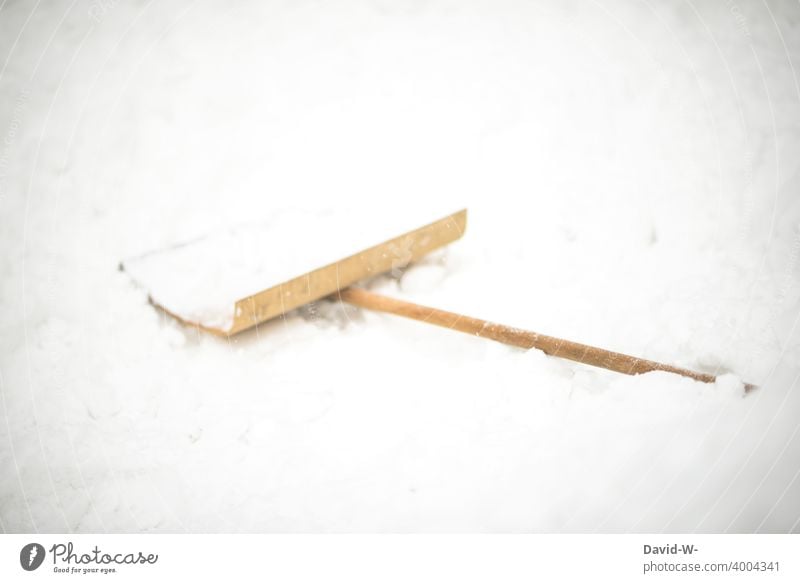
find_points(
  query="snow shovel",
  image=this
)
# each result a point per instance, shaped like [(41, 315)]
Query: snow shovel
[(233, 282)]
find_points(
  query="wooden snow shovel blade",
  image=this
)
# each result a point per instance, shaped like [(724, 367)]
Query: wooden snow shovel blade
[(233, 281), (174, 285)]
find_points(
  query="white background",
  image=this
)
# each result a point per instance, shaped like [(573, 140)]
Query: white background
[(631, 170), (403, 558)]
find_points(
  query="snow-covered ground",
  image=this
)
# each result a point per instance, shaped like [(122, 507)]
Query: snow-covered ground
[(632, 173)]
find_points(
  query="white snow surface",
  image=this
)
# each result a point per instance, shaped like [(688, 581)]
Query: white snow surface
[(631, 173)]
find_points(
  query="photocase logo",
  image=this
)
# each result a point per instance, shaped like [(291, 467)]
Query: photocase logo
[(66, 559), (31, 556)]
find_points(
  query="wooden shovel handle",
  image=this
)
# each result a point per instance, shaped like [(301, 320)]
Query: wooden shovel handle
[(582, 353)]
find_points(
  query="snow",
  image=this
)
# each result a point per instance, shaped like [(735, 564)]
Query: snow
[(631, 173)]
